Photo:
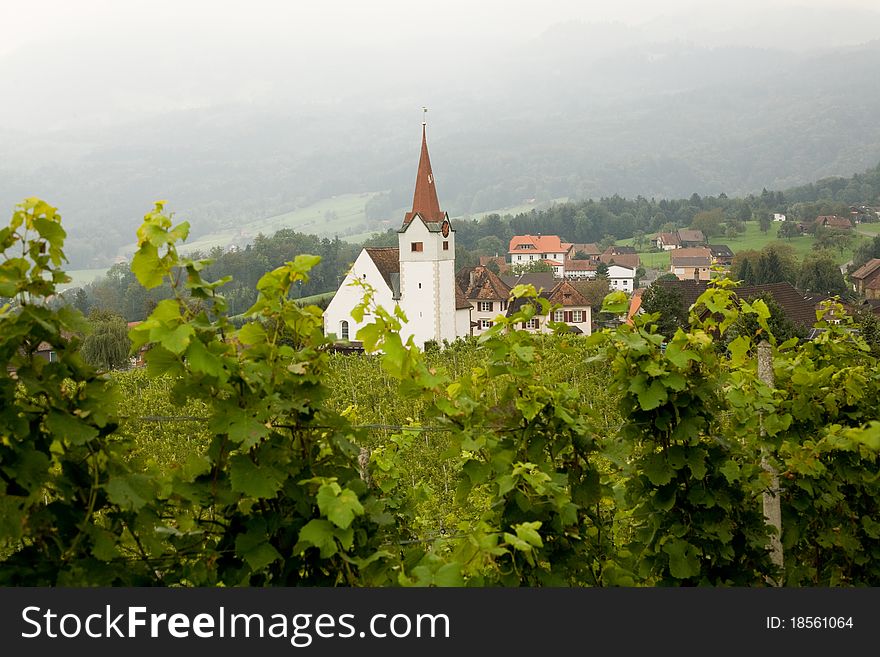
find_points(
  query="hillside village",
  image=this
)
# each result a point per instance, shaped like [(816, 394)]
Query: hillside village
[(443, 304)]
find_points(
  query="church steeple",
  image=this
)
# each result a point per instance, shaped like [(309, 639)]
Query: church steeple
[(425, 202)]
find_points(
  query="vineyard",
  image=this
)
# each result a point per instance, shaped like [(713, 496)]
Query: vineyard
[(252, 455)]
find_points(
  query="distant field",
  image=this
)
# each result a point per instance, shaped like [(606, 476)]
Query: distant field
[(754, 239), (515, 209), (873, 229), (82, 277), (335, 216)]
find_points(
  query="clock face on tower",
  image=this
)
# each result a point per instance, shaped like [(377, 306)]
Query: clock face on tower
[(444, 228)]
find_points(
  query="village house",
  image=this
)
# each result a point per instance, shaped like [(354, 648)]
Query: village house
[(721, 255), (418, 275), (568, 306), (667, 241), (833, 221), (524, 249), (591, 251), (691, 264), (866, 279), (691, 238), (620, 276), (681, 239), (487, 295), (778, 216)]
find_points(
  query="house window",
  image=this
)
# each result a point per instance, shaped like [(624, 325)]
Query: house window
[(577, 316), (53, 357), (445, 245), (485, 324), (531, 257), (519, 257), (558, 316), (417, 246), (344, 330), (484, 306), (531, 324)]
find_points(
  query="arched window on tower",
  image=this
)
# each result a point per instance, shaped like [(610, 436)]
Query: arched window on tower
[(344, 330)]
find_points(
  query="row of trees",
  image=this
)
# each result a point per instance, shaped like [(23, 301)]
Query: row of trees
[(817, 274)]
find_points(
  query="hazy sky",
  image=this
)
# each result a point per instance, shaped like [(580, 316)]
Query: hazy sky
[(105, 61), (39, 23)]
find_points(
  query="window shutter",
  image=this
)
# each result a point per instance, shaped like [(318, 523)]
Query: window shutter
[(568, 316)]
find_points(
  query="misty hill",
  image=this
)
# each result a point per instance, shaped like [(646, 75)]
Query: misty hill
[(582, 112)]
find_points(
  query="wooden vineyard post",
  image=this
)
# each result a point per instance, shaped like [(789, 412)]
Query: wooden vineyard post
[(772, 503)]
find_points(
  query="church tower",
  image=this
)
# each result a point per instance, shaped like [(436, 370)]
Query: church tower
[(427, 261)]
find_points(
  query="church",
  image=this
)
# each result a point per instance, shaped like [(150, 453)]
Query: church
[(418, 275)]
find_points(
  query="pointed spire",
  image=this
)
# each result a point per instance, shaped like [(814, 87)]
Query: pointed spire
[(425, 202)]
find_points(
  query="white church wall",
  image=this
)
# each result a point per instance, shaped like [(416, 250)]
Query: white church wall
[(348, 296)]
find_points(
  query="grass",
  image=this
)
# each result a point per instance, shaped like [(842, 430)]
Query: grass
[(869, 229), (343, 215), (316, 298), (754, 239)]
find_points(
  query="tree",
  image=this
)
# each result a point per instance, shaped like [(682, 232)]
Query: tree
[(81, 301), (746, 275), (780, 326), (775, 263), (788, 229), (531, 267), (581, 255), (668, 302), (493, 267), (491, 245), (607, 242), (709, 222), (865, 252), (602, 270), (107, 346), (830, 238), (764, 221), (819, 274), (639, 239)]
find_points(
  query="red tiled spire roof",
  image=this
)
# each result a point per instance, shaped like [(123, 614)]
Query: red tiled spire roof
[(425, 202)]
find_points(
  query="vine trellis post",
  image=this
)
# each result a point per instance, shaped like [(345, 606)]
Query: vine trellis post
[(772, 502)]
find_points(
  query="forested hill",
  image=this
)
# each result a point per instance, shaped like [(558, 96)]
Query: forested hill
[(622, 218), (608, 218), (555, 118)]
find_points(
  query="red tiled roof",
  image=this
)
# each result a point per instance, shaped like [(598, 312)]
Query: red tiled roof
[(425, 202), (538, 244), (635, 303)]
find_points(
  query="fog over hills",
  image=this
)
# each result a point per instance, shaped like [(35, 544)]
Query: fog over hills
[(232, 134)]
